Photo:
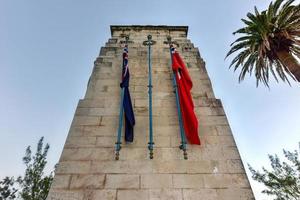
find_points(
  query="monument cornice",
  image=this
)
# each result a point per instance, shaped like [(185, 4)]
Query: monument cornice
[(147, 27)]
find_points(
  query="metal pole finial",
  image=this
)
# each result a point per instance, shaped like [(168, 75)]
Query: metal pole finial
[(149, 37)]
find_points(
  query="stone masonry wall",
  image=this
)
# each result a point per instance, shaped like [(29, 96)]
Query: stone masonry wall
[(87, 168)]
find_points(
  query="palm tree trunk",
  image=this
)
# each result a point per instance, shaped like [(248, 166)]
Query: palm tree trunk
[(290, 62)]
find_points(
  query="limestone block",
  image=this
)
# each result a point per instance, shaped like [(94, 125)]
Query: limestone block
[(224, 130), (104, 61), (86, 154), (164, 111), (106, 69), (107, 75), (61, 182), (104, 194), (156, 181), (126, 166), (231, 153), (205, 101), (157, 103), (206, 130), (141, 111), (234, 166), (216, 181), (140, 94), (65, 195), (106, 88), (85, 120), (183, 166), (113, 110), (128, 153), (193, 194), (122, 181), (73, 167), (162, 87), (205, 111), (139, 88), (188, 181), (166, 130), (90, 181), (75, 131), (226, 181), (88, 103), (112, 103), (76, 154), (141, 139), (218, 140), (165, 194), (214, 120), (105, 141), (80, 141), (107, 82), (142, 128), (239, 180), (235, 194), (104, 153), (212, 153), (141, 102), (101, 94), (140, 82), (92, 131), (194, 153), (165, 154), (82, 111), (109, 121), (132, 194)]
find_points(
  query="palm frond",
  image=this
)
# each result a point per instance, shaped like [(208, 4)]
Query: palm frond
[(238, 46), (264, 35)]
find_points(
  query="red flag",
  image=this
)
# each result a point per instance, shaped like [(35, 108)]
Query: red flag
[(185, 84)]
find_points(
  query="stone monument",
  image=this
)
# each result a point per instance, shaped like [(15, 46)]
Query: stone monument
[(88, 169)]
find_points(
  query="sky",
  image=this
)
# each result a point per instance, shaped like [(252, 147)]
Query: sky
[(47, 50)]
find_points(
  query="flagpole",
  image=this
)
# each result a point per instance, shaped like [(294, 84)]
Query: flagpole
[(118, 143), (175, 86), (148, 43)]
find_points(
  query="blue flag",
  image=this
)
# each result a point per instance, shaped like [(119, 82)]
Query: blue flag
[(127, 105)]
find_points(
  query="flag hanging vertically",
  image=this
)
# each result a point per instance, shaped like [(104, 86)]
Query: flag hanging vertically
[(185, 84), (127, 105)]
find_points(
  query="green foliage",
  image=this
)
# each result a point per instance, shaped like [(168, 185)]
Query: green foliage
[(283, 181), (7, 190), (34, 185), (267, 34)]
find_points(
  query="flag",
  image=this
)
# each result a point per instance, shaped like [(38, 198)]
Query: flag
[(127, 105), (184, 85)]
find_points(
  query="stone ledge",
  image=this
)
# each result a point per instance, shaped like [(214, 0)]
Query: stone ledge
[(147, 27)]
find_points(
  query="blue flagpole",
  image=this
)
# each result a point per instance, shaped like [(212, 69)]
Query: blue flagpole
[(150, 42), (151, 143), (182, 134), (118, 143)]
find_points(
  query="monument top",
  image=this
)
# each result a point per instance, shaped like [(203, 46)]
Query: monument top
[(114, 28)]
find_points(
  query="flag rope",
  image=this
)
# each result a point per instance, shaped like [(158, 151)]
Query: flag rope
[(175, 86), (121, 113)]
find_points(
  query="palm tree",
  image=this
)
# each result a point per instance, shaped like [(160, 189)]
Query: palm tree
[(270, 43)]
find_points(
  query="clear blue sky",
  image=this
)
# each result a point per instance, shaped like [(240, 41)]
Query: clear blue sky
[(47, 49)]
